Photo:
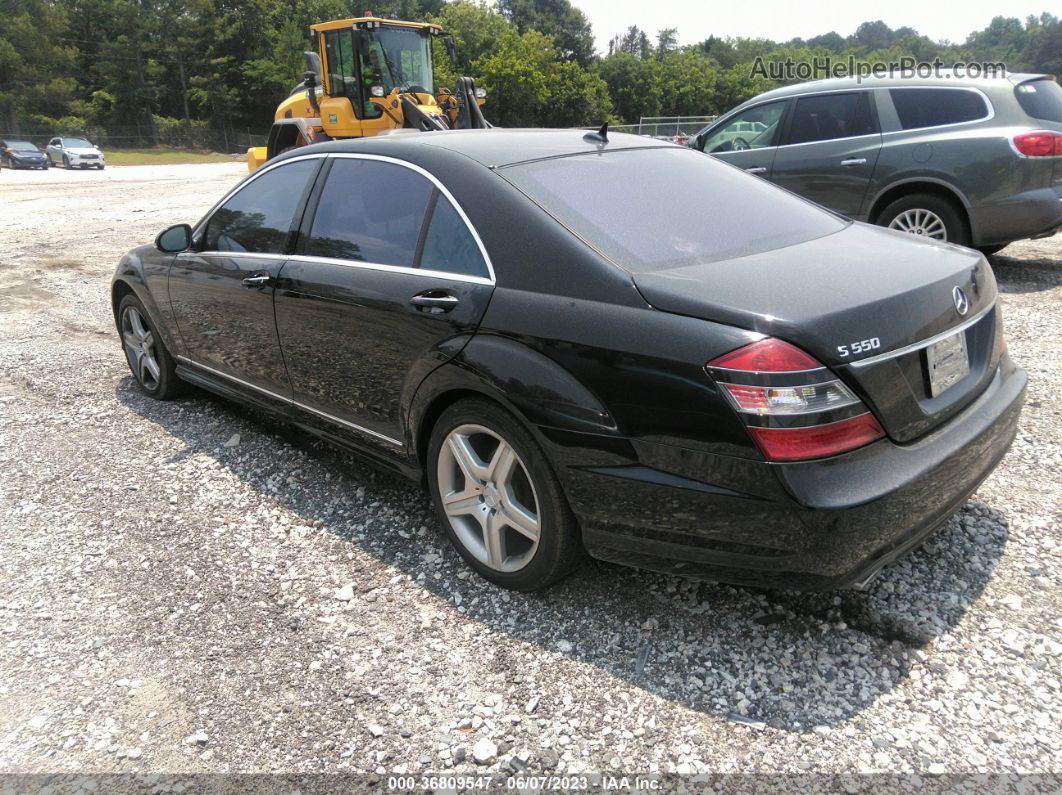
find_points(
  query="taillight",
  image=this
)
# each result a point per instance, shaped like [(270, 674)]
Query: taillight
[(794, 407), (1039, 144)]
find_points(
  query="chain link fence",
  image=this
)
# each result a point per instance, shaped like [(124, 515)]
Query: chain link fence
[(670, 128)]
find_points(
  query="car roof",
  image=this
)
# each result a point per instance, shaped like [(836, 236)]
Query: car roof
[(946, 78), (492, 147)]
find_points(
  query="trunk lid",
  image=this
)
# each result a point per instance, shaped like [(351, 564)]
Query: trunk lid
[(863, 301)]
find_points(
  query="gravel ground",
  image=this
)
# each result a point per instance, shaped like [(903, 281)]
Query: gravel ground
[(186, 588)]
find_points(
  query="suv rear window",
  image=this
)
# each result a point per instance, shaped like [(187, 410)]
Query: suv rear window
[(1041, 99), (935, 107), (659, 208)]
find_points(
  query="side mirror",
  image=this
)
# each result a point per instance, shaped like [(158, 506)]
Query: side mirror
[(451, 49), (697, 141), (175, 239)]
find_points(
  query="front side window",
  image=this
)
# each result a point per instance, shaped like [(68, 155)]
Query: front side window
[(827, 117), (370, 212), (935, 107), (684, 209), (339, 50), (754, 128), (259, 217)]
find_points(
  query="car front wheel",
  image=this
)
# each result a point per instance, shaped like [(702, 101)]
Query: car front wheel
[(153, 368), (499, 499), (66, 162), (925, 215)]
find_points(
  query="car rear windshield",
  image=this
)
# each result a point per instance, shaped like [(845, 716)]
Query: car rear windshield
[(1041, 99), (660, 208)]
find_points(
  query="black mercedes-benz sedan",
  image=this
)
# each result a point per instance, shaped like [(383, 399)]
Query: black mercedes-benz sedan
[(593, 343)]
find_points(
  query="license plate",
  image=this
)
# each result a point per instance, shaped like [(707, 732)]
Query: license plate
[(948, 363)]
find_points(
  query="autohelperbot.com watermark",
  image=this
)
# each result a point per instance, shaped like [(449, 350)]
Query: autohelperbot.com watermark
[(789, 69)]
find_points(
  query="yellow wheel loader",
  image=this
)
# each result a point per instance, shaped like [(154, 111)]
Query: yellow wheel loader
[(369, 76)]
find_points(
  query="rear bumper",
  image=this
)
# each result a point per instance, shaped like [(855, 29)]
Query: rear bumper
[(1036, 213), (811, 526)]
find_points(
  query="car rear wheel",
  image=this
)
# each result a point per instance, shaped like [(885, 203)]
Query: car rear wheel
[(499, 499), (925, 215), (153, 368)]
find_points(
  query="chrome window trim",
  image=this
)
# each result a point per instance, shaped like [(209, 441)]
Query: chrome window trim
[(291, 402), (490, 279), (917, 346), (375, 266)]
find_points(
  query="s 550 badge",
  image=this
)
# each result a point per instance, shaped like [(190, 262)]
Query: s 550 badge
[(863, 346)]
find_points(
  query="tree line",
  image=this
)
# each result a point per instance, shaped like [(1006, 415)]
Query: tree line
[(195, 72)]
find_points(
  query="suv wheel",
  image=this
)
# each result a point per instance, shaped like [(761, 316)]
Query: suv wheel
[(925, 215), (498, 498)]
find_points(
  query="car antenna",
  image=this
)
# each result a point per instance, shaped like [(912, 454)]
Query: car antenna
[(600, 137)]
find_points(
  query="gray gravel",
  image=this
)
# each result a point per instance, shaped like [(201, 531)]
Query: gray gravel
[(186, 587)]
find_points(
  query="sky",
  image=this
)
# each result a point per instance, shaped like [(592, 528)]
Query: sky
[(781, 20)]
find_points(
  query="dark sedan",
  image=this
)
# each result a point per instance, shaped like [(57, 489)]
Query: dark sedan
[(21, 154), (612, 345)]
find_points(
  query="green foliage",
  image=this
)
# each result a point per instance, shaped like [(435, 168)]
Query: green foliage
[(37, 74), (565, 25), (634, 84)]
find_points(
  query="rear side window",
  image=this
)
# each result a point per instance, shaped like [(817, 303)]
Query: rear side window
[(370, 212), (448, 245), (830, 116), (935, 107), (666, 207), (260, 216), (1041, 99)]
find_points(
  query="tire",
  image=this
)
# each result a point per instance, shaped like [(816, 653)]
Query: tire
[(66, 163), (518, 563), (163, 385), (100, 168), (929, 213)]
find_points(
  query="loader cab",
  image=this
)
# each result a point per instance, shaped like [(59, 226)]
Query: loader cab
[(363, 62)]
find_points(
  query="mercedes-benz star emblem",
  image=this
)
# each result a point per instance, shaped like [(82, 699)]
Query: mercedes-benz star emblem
[(962, 303)]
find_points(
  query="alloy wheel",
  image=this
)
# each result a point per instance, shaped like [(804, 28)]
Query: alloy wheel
[(489, 498), (924, 223), (139, 343)]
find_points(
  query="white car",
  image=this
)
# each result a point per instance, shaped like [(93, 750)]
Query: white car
[(74, 152)]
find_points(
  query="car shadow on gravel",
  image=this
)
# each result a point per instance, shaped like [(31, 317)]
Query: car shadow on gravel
[(788, 660), (1026, 274)]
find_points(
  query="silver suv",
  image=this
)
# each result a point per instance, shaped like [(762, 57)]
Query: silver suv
[(974, 161)]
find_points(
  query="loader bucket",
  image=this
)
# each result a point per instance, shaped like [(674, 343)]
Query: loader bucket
[(256, 156)]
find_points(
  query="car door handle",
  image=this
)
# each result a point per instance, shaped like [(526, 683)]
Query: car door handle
[(756, 170), (855, 161), (258, 280), (434, 302)]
